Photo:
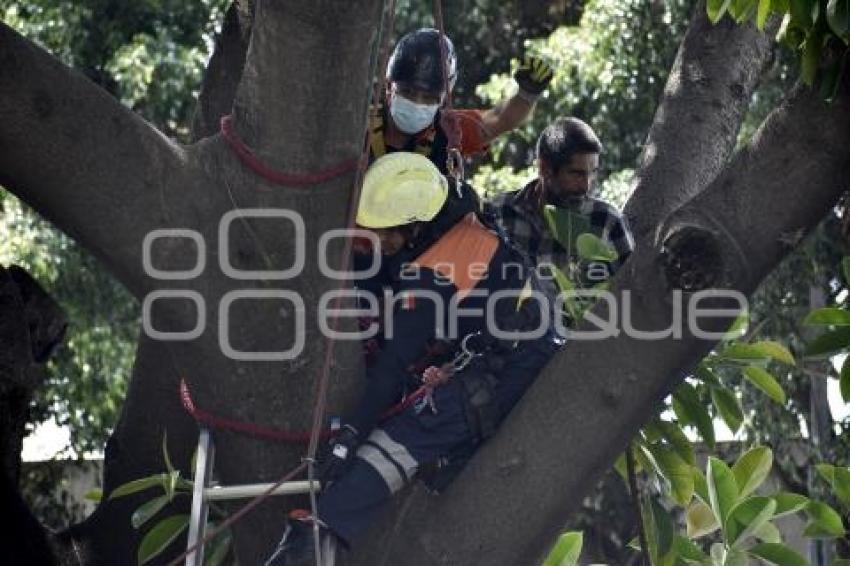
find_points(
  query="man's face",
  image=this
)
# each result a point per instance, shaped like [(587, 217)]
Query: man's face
[(574, 178), (414, 95), (392, 239)]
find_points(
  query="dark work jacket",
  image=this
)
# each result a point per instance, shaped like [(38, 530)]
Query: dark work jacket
[(415, 319)]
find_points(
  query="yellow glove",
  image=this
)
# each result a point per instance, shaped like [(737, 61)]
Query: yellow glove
[(533, 75)]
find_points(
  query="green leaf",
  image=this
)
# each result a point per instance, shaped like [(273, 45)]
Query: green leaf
[(94, 495), (829, 343), (716, 9), (700, 520), (722, 489), (700, 486), (674, 435), (707, 375), (171, 482), (138, 485), (736, 557), (768, 533), (845, 269), (762, 13), (742, 10), (664, 527), (747, 517), (593, 248), (824, 521), (830, 316), (787, 503), (767, 383), (218, 547), (842, 485), (566, 551), (838, 17), (160, 536), (801, 14), (844, 380), (739, 326), (144, 512), (621, 468), (678, 472), (687, 549), (752, 469), (777, 554), (165, 456), (827, 472), (728, 407), (689, 409), (763, 350)]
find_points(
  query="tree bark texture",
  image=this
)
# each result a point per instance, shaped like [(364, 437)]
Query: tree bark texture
[(705, 100)]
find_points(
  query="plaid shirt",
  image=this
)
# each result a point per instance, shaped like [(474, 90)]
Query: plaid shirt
[(517, 215)]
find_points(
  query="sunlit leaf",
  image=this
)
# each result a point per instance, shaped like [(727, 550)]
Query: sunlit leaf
[(765, 349), (787, 503), (722, 489), (824, 521), (747, 517), (716, 9), (700, 520), (767, 383), (830, 316), (566, 551), (593, 248), (752, 469), (768, 533), (777, 555)]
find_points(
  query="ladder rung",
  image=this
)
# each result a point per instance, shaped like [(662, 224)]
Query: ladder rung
[(254, 489)]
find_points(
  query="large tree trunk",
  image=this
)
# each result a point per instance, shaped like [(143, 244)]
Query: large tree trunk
[(109, 179)]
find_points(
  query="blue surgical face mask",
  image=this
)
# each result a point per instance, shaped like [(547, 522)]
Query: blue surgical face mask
[(411, 117)]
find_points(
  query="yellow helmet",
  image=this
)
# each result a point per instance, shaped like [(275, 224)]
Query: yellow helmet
[(400, 188)]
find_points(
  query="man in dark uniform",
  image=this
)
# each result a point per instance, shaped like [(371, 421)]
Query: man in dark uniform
[(460, 268)]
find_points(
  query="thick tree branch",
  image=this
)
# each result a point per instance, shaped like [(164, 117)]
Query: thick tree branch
[(61, 140), (706, 97), (224, 70), (581, 413), (282, 94)]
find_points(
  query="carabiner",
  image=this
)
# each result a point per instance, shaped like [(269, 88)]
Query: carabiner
[(454, 165)]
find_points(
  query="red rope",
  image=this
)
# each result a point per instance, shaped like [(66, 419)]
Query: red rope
[(250, 160), (276, 434)]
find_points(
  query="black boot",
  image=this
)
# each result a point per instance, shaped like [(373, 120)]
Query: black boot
[(297, 547)]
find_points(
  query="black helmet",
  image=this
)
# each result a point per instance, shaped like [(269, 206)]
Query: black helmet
[(416, 61)]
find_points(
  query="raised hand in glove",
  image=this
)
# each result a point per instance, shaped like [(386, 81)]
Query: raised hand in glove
[(334, 462), (533, 75)]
